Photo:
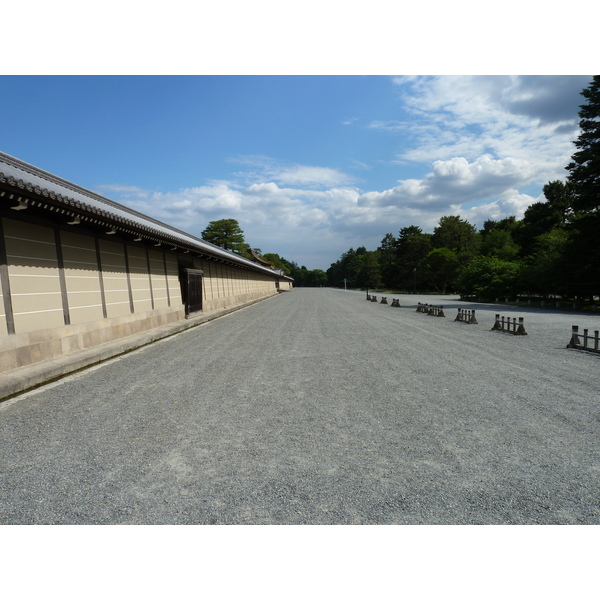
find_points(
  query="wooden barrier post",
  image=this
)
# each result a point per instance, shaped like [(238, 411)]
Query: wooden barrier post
[(579, 344), (574, 337), (496, 323), (466, 316), (512, 327)]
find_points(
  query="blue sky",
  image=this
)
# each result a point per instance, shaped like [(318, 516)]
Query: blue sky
[(288, 116), (309, 165)]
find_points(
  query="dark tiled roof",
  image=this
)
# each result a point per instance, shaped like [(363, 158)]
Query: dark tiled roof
[(40, 185)]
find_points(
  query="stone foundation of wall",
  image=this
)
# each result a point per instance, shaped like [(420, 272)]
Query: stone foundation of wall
[(232, 301), (25, 349)]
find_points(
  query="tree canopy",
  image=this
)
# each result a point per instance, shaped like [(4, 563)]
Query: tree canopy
[(227, 234), (584, 170)]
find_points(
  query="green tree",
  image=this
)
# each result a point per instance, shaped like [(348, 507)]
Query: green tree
[(497, 238), (499, 243), (227, 234), (442, 266), (278, 262), (412, 247), (388, 254), (457, 235), (488, 277), (561, 197), (508, 224), (347, 267), (584, 170), (316, 278), (300, 277), (369, 276), (582, 256), (582, 253), (546, 272), (543, 217)]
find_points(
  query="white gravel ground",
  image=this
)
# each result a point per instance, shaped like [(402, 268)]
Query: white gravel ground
[(318, 407)]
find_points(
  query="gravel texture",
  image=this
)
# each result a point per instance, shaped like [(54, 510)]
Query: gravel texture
[(318, 407)]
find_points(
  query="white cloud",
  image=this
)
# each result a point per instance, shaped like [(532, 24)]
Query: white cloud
[(263, 168), (531, 119), (312, 176), (510, 203), (454, 182), (302, 223), (483, 139)]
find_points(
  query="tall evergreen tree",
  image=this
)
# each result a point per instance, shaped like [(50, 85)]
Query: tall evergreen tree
[(583, 252), (387, 260), (584, 170), (413, 246), (542, 217), (369, 275)]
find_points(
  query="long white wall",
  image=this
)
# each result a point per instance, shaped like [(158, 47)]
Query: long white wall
[(225, 285), (69, 290)]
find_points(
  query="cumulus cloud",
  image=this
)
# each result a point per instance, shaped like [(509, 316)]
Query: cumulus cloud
[(549, 99), (510, 203), (295, 222), (532, 119), (299, 223), (481, 141), (454, 182)]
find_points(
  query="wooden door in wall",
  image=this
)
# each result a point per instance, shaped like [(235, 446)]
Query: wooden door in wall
[(192, 295)]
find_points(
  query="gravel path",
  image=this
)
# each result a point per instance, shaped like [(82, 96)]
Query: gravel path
[(317, 407)]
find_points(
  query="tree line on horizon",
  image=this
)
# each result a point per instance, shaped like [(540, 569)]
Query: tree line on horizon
[(554, 250)]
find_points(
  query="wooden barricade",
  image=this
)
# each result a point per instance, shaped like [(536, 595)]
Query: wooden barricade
[(395, 301), (509, 326), (580, 342), (430, 309), (466, 316)]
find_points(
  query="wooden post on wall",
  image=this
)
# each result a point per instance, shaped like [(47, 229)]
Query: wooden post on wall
[(5, 282)]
